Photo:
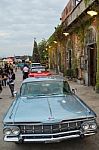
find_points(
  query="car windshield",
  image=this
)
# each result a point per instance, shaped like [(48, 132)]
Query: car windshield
[(45, 88), (35, 64)]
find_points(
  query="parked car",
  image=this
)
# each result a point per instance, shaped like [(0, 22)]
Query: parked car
[(46, 110), (38, 71), (35, 64)]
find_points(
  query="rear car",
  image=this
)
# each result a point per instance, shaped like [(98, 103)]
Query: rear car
[(38, 71)]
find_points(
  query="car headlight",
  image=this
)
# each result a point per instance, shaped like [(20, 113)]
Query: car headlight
[(7, 131), (93, 126), (85, 126), (15, 130)]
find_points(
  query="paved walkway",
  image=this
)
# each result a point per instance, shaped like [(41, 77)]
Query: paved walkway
[(88, 95)]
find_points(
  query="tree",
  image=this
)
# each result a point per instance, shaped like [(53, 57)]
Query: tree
[(35, 55), (43, 51)]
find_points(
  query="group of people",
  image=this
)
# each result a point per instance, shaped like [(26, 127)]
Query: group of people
[(7, 77)]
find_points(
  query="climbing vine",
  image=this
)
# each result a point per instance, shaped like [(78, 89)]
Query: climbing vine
[(80, 31), (86, 2)]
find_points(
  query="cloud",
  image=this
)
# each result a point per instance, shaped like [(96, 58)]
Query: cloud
[(22, 20), (4, 34)]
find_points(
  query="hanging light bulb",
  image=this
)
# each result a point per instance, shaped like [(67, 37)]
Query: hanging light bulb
[(92, 13), (66, 33)]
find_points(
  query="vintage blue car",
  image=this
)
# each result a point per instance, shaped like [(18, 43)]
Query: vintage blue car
[(46, 110)]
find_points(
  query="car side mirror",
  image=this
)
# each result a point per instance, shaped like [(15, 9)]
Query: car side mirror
[(15, 93), (74, 90)]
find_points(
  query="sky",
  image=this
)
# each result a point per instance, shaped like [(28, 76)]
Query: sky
[(23, 20)]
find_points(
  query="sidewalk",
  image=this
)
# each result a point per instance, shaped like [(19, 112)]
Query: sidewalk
[(88, 95)]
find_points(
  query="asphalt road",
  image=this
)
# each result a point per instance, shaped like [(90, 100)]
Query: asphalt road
[(89, 143)]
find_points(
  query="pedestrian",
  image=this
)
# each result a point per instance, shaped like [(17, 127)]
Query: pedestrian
[(25, 71), (0, 84), (5, 76), (15, 68), (1, 75), (10, 81)]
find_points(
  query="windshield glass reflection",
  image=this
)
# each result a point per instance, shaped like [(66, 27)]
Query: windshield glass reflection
[(45, 88)]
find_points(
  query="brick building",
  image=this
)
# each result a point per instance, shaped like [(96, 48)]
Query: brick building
[(77, 53)]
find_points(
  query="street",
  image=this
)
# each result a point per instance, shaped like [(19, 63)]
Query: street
[(89, 143)]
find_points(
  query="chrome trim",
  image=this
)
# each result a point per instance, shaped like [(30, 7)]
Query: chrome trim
[(62, 122), (51, 128), (61, 133), (16, 139), (52, 136), (42, 128), (71, 125), (60, 127), (33, 129), (24, 128), (86, 134), (40, 140)]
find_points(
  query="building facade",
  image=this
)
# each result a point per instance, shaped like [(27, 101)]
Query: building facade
[(78, 51)]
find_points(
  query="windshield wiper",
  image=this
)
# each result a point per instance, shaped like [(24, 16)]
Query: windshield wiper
[(54, 93)]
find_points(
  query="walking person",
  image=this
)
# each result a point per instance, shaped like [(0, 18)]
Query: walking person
[(11, 79), (1, 75), (25, 71), (0, 84), (5, 76)]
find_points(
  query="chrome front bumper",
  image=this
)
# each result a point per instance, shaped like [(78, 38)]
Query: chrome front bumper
[(47, 138)]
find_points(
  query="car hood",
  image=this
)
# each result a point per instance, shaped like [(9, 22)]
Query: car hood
[(45, 109)]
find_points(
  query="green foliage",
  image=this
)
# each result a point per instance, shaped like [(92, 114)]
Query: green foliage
[(35, 55), (51, 39), (43, 51), (70, 73), (62, 68), (57, 35), (80, 31), (97, 73), (86, 2)]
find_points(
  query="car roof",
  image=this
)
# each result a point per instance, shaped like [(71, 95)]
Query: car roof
[(39, 66), (45, 78), (35, 64)]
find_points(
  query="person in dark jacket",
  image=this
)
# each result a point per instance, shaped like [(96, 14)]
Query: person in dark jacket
[(4, 78), (11, 79), (0, 84)]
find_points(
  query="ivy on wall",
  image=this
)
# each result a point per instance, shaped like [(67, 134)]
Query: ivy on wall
[(57, 35), (81, 31), (86, 2), (97, 75)]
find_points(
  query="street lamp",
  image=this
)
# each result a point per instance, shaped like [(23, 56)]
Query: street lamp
[(66, 33), (55, 42), (50, 46), (92, 13)]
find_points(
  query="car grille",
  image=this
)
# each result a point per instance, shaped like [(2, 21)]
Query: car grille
[(50, 128)]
